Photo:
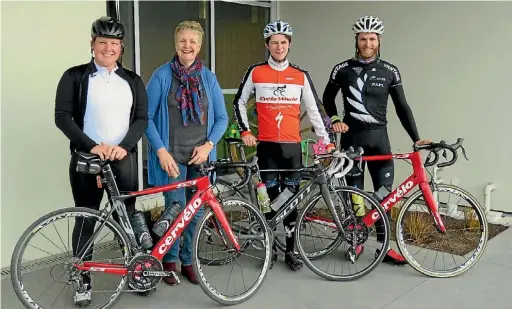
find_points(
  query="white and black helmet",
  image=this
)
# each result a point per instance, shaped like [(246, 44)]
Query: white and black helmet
[(368, 24), (277, 27)]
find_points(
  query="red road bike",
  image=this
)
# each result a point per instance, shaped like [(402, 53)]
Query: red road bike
[(141, 270), (466, 214)]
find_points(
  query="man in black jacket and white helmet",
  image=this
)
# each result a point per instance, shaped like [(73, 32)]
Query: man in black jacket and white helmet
[(365, 82)]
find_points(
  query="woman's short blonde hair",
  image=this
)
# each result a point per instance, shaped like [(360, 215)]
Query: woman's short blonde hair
[(189, 25)]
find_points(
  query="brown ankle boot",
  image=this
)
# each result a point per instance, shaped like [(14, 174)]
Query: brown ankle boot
[(188, 272), (170, 279)]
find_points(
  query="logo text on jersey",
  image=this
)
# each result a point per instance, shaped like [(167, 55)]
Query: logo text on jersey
[(337, 68), (278, 99), (279, 118), (395, 71)]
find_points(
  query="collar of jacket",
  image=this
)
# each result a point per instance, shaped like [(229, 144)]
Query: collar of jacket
[(91, 68)]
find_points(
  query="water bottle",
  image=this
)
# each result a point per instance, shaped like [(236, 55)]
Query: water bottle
[(263, 198), (358, 204), (281, 199), (140, 228), (166, 219)]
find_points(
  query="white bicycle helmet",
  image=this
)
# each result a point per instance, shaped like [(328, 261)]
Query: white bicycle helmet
[(277, 27), (368, 24)]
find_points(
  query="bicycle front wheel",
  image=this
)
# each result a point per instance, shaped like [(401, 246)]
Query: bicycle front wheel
[(437, 254), (43, 263), (255, 239)]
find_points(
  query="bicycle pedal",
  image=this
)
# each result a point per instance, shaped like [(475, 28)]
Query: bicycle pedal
[(351, 256)]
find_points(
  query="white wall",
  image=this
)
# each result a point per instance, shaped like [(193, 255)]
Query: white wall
[(453, 57), (40, 40)]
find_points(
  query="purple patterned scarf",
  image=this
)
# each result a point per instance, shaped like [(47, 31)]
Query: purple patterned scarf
[(188, 94)]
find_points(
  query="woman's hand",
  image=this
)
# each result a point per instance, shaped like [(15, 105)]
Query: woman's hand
[(167, 163), (200, 154), (116, 153), (100, 150)]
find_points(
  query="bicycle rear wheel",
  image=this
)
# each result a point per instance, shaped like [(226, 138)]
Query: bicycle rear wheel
[(57, 258), (464, 220), (317, 223), (256, 226)]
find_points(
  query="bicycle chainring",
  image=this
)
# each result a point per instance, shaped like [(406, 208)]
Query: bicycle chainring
[(139, 264), (355, 227)]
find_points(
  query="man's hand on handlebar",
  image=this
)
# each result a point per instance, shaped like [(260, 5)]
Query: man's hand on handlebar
[(423, 142), (339, 127), (249, 139)]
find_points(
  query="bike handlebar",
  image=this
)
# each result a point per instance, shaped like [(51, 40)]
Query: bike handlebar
[(434, 149), (341, 156), (226, 163)]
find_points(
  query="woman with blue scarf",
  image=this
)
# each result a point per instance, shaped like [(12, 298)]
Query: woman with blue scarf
[(187, 118)]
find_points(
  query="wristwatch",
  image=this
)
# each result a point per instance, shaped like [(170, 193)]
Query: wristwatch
[(210, 142)]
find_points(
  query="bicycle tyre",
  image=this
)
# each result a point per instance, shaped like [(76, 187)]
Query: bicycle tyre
[(338, 241), (482, 243), (210, 291), (43, 221)]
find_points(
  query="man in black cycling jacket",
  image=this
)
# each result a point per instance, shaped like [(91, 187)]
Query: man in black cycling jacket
[(365, 82), (102, 108)]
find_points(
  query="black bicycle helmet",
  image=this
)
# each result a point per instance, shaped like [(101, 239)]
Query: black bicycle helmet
[(107, 27)]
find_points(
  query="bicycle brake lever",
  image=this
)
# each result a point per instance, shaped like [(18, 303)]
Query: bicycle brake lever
[(464, 153), (444, 154)]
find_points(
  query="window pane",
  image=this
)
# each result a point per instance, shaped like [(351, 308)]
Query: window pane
[(238, 40), (126, 17), (158, 21)]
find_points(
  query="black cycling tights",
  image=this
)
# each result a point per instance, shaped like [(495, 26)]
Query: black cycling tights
[(281, 156), (374, 142), (87, 194)]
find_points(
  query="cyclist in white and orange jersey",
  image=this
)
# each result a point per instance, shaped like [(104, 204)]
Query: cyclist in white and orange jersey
[(279, 88)]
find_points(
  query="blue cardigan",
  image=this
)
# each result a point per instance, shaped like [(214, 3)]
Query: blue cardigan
[(157, 131)]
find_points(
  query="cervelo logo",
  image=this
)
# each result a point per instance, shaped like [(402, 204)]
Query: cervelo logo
[(188, 214), (278, 99), (399, 193)]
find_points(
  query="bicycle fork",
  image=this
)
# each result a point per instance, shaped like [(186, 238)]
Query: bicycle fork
[(330, 205), (432, 206)]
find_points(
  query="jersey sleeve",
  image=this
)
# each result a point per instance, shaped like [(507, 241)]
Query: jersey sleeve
[(312, 102), (402, 108), (243, 94), (330, 92)]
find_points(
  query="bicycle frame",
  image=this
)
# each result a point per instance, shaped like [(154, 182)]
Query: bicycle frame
[(418, 178), (319, 179), (203, 196)]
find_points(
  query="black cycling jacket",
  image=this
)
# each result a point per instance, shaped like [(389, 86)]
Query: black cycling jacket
[(71, 101), (365, 89)]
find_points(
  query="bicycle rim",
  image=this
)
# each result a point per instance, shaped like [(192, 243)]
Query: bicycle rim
[(207, 287)]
